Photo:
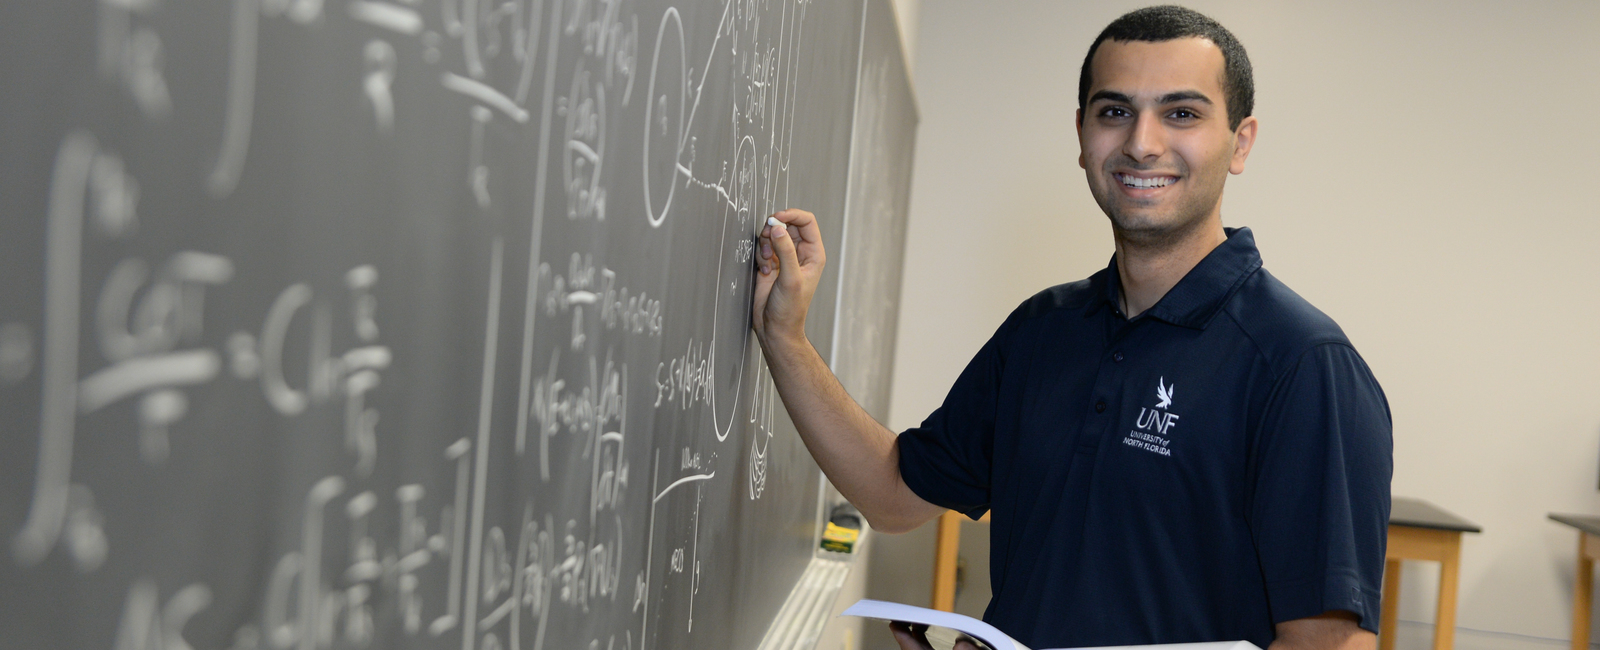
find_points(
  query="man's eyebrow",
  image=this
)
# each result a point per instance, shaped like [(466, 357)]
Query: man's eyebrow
[(1185, 96), (1110, 96), (1169, 98)]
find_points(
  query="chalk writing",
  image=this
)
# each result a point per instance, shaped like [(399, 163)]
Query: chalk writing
[(583, 285), (685, 380), (589, 409), (240, 348), (351, 374), (132, 54)]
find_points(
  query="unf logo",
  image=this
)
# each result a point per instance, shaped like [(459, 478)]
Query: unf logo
[(1158, 419)]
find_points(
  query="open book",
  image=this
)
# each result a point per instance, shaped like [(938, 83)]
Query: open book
[(946, 627)]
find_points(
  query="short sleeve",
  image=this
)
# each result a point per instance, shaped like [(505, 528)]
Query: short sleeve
[(1319, 511), (947, 460)]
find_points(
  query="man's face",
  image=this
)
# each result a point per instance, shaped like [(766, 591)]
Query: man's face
[(1155, 139)]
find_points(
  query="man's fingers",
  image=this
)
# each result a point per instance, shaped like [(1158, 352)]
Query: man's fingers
[(909, 638), (758, 306), (805, 221), (783, 246), (802, 226)]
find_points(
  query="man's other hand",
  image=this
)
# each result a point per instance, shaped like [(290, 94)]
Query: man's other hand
[(915, 637), (789, 268)]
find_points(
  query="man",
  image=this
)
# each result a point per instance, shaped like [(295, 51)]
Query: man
[(1178, 448)]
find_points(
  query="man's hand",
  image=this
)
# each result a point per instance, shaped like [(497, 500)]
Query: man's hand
[(790, 268), (857, 453), (915, 637), (1334, 630)]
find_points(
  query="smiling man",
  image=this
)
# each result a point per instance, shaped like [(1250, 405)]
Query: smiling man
[(1176, 449)]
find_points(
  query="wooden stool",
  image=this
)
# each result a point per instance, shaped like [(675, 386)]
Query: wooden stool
[(1419, 530), (1583, 595)]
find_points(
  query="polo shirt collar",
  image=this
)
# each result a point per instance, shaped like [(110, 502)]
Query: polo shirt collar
[(1201, 293)]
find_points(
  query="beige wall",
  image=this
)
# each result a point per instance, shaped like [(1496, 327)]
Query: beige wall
[(1424, 174)]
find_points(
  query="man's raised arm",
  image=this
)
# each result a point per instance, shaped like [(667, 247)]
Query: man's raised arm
[(857, 453)]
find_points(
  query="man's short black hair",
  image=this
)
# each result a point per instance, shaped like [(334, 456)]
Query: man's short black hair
[(1170, 22)]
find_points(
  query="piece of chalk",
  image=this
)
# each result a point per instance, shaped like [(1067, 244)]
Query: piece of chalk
[(773, 221)]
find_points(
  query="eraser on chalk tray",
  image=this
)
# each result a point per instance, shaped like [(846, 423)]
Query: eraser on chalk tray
[(842, 531)]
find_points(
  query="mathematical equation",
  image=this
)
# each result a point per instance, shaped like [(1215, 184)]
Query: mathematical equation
[(127, 342)]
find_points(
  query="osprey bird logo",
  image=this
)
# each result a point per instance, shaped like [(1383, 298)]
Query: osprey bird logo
[(1164, 393)]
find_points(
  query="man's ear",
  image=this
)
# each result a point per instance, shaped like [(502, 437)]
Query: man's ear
[(1079, 122), (1244, 138)]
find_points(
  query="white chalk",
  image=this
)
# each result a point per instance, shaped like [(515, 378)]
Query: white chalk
[(773, 221)]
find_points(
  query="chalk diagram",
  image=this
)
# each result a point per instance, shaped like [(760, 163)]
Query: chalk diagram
[(754, 52), (751, 179), (450, 568), (664, 132)]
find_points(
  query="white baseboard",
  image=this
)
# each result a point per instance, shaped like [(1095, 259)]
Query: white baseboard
[(1414, 635)]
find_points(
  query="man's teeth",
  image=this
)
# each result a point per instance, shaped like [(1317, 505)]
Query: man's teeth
[(1134, 181)]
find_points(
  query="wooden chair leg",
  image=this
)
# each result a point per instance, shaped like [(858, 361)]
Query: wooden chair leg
[(1583, 595), (1444, 628), (1389, 617)]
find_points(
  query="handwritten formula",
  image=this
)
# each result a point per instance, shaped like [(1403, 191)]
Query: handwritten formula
[(405, 323)]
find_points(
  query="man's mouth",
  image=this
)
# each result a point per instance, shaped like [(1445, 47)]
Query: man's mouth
[(1138, 183)]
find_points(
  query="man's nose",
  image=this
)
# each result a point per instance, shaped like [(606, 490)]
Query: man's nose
[(1147, 141)]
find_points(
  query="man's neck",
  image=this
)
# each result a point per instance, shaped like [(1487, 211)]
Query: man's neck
[(1148, 270)]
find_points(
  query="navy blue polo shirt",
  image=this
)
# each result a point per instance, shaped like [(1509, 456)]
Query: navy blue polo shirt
[(1210, 468)]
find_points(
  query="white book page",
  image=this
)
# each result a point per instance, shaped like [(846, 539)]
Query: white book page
[(989, 635), (994, 638), (1210, 645)]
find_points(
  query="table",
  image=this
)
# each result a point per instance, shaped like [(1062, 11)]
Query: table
[(1419, 530), (1583, 594)]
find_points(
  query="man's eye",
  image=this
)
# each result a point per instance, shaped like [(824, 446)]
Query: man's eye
[(1184, 114), (1114, 112)]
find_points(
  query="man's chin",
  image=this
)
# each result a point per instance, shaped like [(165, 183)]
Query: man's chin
[(1153, 228), (1151, 224)]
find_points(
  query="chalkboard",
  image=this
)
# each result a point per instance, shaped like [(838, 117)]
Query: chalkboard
[(873, 246), (416, 323)]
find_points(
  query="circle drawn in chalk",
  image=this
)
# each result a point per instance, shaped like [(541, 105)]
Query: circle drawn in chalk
[(663, 113), (735, 283)]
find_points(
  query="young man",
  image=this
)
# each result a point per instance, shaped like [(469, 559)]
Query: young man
[(1176, 449)]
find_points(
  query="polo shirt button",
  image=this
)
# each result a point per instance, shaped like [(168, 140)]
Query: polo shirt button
[(1116, 356), (1100, 406)]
